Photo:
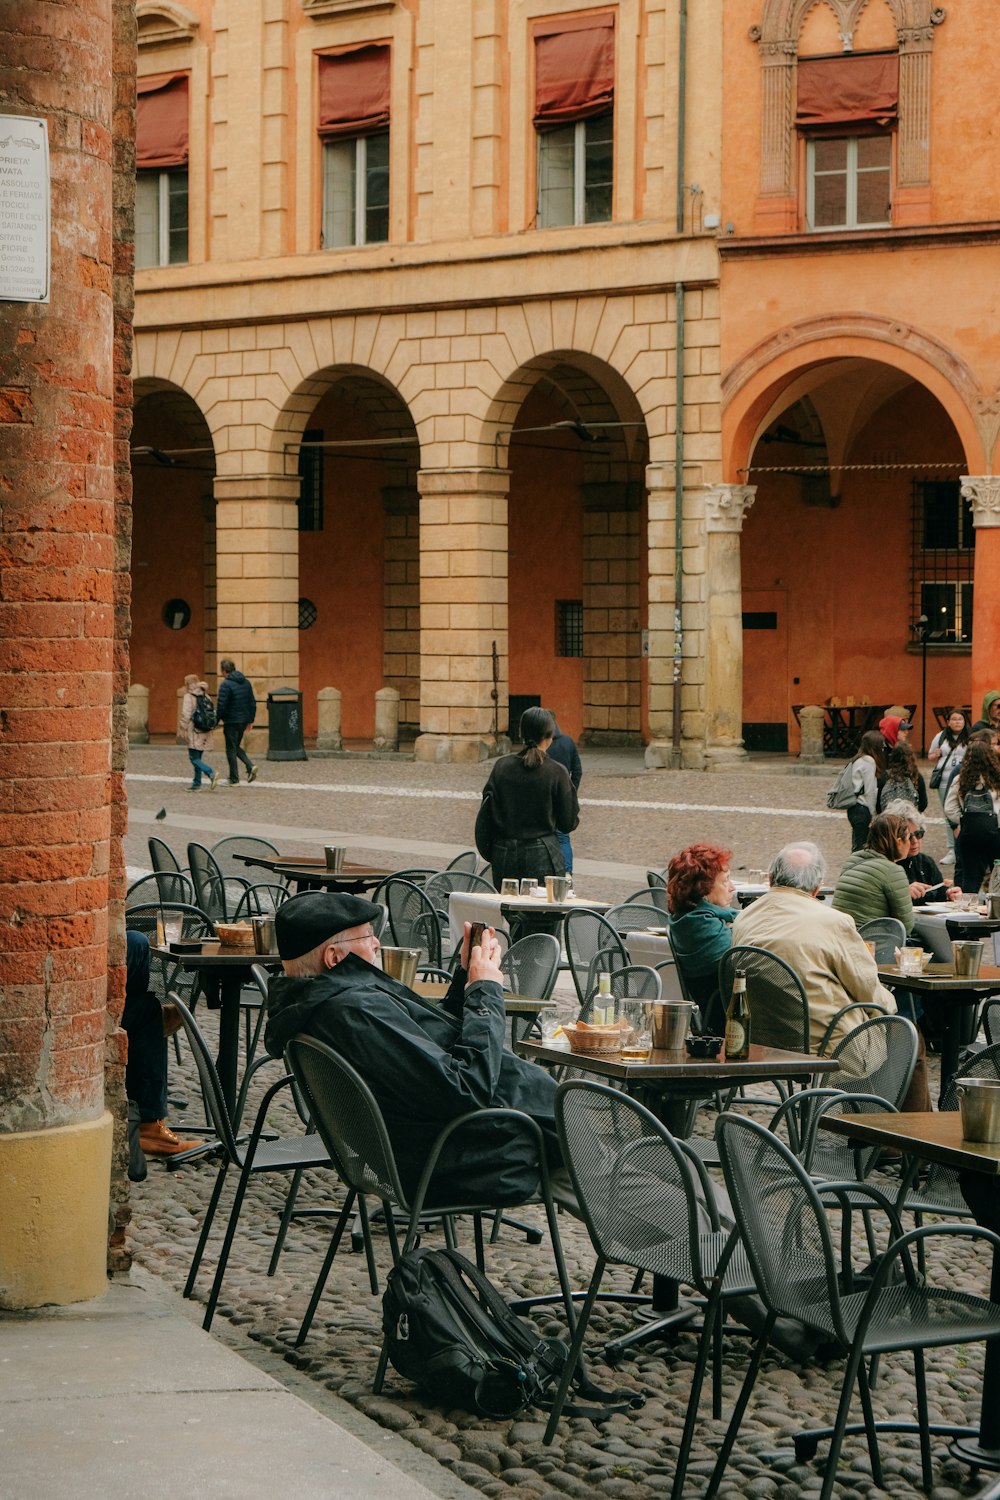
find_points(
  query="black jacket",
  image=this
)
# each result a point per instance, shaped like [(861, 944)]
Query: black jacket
[(236, 703), (563, 749), (426, 1065), (921, 867), (528, 804)]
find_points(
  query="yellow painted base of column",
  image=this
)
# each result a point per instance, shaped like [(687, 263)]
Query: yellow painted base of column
[(55, 1187), (439, 748)]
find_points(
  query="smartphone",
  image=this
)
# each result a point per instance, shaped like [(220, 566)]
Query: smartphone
[(476, 935)]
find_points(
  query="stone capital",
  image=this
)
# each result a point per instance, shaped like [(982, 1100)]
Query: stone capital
[(726, 505), (256, 487), (982, 491), (463, 481)]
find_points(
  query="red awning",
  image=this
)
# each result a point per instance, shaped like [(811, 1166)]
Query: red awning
[(854, 88), (161, 121), (354, 92), (574, 69)]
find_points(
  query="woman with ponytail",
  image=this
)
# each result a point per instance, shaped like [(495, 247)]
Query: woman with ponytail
[(527, 800)]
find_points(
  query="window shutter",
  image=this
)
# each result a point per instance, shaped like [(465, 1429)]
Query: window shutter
[(161, 121), (574, 69), (354, 92), (856, 88)]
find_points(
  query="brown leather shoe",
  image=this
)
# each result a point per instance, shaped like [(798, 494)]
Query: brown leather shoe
[(171, 1019), (157, 1139)]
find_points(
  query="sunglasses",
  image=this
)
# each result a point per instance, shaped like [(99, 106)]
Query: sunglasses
[(918, 833)]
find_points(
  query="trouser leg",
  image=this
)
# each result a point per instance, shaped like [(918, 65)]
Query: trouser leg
[(142, 1021)]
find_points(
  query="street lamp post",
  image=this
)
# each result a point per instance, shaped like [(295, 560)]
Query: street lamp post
[(923, 625)]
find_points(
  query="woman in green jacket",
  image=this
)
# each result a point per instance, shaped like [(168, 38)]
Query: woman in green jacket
[(872, 882)]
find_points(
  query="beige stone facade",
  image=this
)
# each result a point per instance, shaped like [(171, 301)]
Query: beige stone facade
[(436, 348)]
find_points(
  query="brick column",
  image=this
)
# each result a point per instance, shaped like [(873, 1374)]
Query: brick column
[(58, 660), (257, 580), (463, 610), (725, 508), (982, 491)]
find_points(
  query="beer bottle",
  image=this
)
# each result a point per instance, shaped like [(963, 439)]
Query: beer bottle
[(738, 1022)]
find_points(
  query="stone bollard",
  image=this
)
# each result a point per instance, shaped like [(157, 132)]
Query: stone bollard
[(387, 719), (138, 715), (328, 735), (811, 721)]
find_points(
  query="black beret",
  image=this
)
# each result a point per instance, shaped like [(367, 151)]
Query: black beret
[(303, 922)]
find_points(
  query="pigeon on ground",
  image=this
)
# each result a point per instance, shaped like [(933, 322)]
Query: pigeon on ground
[(161, 814)]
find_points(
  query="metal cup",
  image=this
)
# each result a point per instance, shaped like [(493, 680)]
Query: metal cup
[(979, 1102), (968, 956), (995, 907), (671, 1023), (557, 887), (401, 964), (334, 857), (263, 934)]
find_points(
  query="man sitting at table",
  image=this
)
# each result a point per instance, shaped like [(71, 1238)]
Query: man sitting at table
[(426, 1064), (826, 951)]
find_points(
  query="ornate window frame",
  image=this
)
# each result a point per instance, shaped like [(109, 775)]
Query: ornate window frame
[(162, 23), (777, 37)]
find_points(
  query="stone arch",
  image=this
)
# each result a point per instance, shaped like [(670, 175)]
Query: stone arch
[(752, 386), (363, 387), (163, 22)]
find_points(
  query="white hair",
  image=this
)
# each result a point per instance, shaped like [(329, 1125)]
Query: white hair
[(904, 809), (800, 866)]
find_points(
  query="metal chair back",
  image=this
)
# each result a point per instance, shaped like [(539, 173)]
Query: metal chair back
[(162, 886), (585, 935), (260, 900), (629, 982), (225, 851), (656, 880), (634, 916), (214, 892), (438, 888), (467, 862), (779, 1009), (211, 1088), (414, 921), (887, 933), (878, 1057), (649, 896), (162, 857), (531, 965)]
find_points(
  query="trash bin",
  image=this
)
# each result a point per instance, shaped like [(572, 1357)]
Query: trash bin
[(284, 725)]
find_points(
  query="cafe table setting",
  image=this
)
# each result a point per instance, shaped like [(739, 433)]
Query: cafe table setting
[(536, 908)]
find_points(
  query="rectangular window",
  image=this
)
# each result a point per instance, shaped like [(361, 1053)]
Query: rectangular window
[(161, 218), (943, 560), (575, 173), (848, 181), (574, 119), (569, 627), (354, 97), (356, 191), (311, 481)]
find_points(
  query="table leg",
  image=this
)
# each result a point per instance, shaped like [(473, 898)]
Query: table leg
[(983, 1197), (957, 1009), (227, 1060)]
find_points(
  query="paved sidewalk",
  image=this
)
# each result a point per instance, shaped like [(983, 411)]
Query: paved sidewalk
[(126, 1395)]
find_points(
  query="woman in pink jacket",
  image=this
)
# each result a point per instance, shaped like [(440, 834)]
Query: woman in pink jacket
[(197, 739)]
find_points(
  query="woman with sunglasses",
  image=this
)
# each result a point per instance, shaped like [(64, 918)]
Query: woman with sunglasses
[(923, 874)]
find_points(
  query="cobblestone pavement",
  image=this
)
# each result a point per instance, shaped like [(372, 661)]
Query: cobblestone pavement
[(626, 1457)]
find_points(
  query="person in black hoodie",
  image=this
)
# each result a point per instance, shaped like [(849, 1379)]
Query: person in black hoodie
[(236, 709), (425, 1064)]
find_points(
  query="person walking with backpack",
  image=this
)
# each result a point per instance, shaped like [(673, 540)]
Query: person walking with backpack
[(973, 805), (197, 710), (237, 709), (857, 786), (903, 781)]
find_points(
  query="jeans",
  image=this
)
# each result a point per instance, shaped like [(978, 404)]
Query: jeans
[(142, 1022), (234, 750), (200, 767), (567, 849)]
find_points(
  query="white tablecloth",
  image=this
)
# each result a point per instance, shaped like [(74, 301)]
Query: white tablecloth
[(651, 949), (931, 930)]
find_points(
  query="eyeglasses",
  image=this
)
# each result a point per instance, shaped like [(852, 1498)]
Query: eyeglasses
[(362, 937)]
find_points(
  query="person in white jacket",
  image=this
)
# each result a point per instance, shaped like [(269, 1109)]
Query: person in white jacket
[(946, 754), (869, 772)]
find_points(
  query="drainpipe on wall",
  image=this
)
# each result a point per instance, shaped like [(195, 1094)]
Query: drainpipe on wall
[(678, 524)]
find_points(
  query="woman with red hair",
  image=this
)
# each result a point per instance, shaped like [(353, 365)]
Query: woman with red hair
[(699, 892)]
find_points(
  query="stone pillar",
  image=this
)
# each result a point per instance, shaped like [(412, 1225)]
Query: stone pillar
[(811, 721), (463, 611), (257, 579), (387, 719), (328, 735), (64, 541), (725, 507), (138, 714), (982, 491)]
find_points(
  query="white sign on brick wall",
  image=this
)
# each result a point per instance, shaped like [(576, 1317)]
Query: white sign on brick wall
[(24, 209)]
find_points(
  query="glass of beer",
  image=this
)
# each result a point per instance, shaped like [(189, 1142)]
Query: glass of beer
[(637, 1035)]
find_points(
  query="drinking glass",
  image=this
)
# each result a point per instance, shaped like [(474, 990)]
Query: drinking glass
[(173, 927), (528, 886), (552, 1032), (509, 888), (637, 1037)]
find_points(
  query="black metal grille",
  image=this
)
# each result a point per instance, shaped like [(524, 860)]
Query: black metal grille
[(569, 627), (942, 560), (311, 485), (308, 614)]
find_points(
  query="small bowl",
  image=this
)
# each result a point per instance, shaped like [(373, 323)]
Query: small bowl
[(593, 1038), (704, 1046), (234, 934)]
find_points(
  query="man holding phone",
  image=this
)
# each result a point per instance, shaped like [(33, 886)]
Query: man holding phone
[(425, 1064)]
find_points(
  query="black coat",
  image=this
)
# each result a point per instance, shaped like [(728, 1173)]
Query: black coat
[(236, 703), (426, 1065)]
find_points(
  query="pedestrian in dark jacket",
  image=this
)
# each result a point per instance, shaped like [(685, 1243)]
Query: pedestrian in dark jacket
[(236, 709), (527, 800), (425, 1064), (563, 749)]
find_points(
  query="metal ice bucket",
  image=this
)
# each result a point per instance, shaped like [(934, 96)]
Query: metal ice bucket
[(671, 1023), (979, 1102), (263, 934), (334, 857), (968, 956), (401, 964)]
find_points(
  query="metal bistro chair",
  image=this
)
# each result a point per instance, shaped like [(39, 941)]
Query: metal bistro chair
[(648, 895), (779, 1009), (634, 916), (531, 967), (413, 919), (648, 1204), (225, 851), (166, 886), (348, 1118), (782, 1220), (467, 862), (216, 894), (587, 936), (629, 982), (288, 1154), (887, 933)]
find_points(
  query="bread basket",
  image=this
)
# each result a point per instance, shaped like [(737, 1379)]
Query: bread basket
[(583, 1037), (234, 934)]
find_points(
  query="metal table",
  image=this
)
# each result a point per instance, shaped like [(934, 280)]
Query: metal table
[(312, 874), (520, 1008), (961, 995)]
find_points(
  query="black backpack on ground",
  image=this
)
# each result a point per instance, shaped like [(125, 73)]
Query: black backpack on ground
[(449, 1330), (204, 717)]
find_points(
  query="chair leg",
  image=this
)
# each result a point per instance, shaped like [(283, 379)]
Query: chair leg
[(206, 1226), (227, 1245), (560, 1260), (712, 1323), (874, 1457), (286, 1219), (573, 1360), (366, 1231), (393, 1235), (720, 1318), (854, 1362), (477, 1230), (920, 1380), (756, 1360), (324, 1271)]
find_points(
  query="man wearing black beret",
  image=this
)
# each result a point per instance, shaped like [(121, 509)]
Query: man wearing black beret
[(425, 1064)]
